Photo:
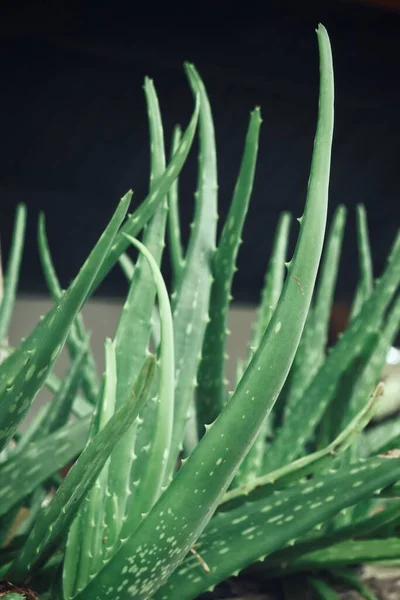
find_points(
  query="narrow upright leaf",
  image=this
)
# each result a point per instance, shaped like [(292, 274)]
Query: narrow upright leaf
[(191, 298), (174, 229), (12, 273), (366, 282), (210, 396), (24, 372)]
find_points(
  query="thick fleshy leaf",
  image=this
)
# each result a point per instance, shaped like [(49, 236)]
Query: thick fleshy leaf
[(11, 277), (24, 372), (252, 464), (312, 348), (88, 537), (190, 301), (153, 463), (348, 553), (25, 471), (174, 229), (305, 466), (78, 334), (211, 392), (300, 424), (366, 283), (162, 540), (132, 342), (54, 520), (238, 538)]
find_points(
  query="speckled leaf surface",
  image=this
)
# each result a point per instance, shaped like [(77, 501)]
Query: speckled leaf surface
[(211, 392), (54, 520), (190, 300), (238, 538), (21, 474)]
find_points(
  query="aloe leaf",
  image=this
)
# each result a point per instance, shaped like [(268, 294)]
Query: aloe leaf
[(191, 298), (162, 540), (54, 520), (382, 437), (156, 196), (24, 372), (323, 589), (311, 352), (376, 362), (152, 464), (210, 395), (25, 471), (274, 280), (368, 526), (238, 538), (78, 334), (354, 583), (59, 409), (251, 466), (85, 545), (301, 422), (305, 466), (14, 596), (132, 340), (81, 406), (174, 229), (11, 278), (366, 283), (348, 553)]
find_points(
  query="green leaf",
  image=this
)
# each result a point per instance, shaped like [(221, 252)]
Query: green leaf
[(366, 283), (174, 229), (305, 466), (85, 545), (77, 334), (323, 589), (211, 393), (25, 471), (354, 583), (54, 520), (24, 372), (59, 409), (152, 463), (148, 557), (251, 466), (11, 278), (382, 438), (191, 298), (312, 348), (131, 343), (300, 424), (350, 552), (156, 196), (238, 538)]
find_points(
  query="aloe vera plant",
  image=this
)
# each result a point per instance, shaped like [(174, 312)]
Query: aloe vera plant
[(178, 484)]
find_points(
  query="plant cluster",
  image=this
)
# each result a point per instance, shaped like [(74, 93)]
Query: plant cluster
[(178, 484)]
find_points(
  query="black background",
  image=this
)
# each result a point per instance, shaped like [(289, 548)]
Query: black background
[(73, 120)]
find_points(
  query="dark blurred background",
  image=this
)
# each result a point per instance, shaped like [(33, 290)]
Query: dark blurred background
[(73, 120)]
